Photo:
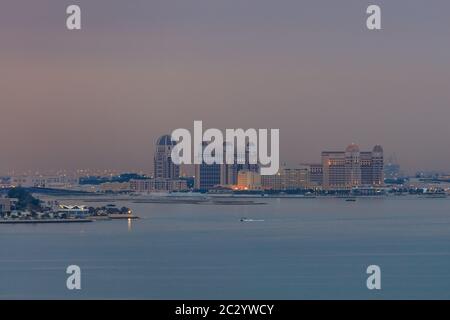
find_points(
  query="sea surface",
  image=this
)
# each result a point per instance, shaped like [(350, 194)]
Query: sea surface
[(304, 249)]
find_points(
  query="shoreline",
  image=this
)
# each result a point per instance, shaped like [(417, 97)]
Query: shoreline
[(240, 199), (58, 221), (45, 221)]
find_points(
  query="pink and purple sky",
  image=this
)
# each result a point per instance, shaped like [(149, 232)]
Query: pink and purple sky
[(100, 97)]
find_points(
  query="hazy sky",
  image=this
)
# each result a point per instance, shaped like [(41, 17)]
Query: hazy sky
[(99, 97)]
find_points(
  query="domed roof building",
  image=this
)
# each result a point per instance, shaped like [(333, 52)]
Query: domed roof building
[(377, 149), (352, 168), (352, 148), (165, 140), (352, 165), (163, 166), (377, 166)]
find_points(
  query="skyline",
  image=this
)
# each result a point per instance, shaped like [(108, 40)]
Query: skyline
[(187, 170), (149, 167), (99, 98)]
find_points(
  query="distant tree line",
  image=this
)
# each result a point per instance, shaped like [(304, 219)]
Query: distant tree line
[(96, 180), (25, 200)]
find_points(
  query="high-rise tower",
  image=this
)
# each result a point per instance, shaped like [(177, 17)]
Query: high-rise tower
[(163, 164), (352, 168)]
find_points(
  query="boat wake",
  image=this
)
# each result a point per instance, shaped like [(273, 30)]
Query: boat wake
[(251, 220)]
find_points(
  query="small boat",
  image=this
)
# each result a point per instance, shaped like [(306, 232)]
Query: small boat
[(250, 220), (350, 199)]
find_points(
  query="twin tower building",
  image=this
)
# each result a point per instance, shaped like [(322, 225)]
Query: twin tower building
[(338, 170), (352, 168), (207, 176)]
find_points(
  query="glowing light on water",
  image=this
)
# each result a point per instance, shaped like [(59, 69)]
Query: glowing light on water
[(129, 224)]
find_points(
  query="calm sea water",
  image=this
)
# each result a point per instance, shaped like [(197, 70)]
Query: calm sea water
[(304, 249)]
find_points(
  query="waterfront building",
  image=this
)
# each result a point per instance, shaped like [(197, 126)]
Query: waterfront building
[(5, 206), (114, 187), (287, 178), (366, 168), (296, 178), (273, 182), (163, 166), (208, 176), (72, 210), (158, 185), (377, 166), (45, 181), (334, 176), (315, 174), (249, 180), (166, 174), (229, 172), (352, 168)]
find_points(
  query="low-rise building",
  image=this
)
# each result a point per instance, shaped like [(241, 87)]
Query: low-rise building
[(5, 205), (287, 179), (44, 181), (158, 185), (115, 187), (248, 180), (315, 175), (72, 210)]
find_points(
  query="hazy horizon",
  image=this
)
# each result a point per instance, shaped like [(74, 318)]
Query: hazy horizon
[(100, 97)]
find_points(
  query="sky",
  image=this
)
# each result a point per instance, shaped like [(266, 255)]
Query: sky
[(100, 97)]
